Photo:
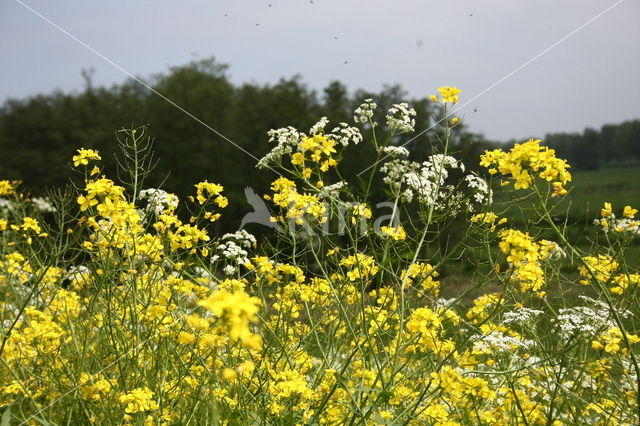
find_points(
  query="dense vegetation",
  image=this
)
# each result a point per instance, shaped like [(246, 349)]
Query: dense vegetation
[(116, 309)]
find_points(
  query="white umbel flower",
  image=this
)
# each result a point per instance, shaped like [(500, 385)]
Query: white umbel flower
[(395, 151), (43, 204), (364, 113), (286, 140), (159, 201), (401, 118), (344, 135)]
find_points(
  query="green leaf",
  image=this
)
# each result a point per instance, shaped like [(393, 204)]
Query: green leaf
[(6, 417)]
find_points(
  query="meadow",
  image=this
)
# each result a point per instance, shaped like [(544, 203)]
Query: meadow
[(503, 297), (617, 185)]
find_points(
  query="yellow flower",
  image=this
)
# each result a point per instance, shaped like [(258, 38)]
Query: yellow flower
[(6, 188), (526, 161), (558, 189), (601, 267), (229, 374), (524, 254), (139, 399), (449, 94), (607, 210), (206, 190), (333, 251), (297, 158), (28, 224), (361, 266), (236, 310), (185, 338), (360, 210), (395, 233), (629, 212), (84, 155)]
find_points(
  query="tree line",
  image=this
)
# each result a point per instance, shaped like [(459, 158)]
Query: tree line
[(39, 134), (613, 144)]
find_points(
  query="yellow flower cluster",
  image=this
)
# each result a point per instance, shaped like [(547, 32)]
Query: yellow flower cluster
[(448, 94), (627, 224), (603, 268), (360, 212), (524, 255), (600, 268), (297, 205), (526, 161), (207, 190), (361, 267), (236, 310), (6, 188), (320, 150), (611, 341), (138, 400), (84, 156), (483, 306), (423, 275), (94, 388), (397, 233), (488, 218), (427, 325), (29, 224)]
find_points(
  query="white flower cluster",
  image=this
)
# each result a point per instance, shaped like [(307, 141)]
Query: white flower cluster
[(628, 226), (286, 140), (495, 342), (234, 250), (446, 303), (43, 204), (441, 162), (520, 316), (425, 181), (333, 190), (580, 319), (343, 134), (159, 201), (589, 319), (6, 205), (319, 126), (396, 172), (482, 194), (77, 272), (395, 151), (629, 385), (364, 112), (400, 118)]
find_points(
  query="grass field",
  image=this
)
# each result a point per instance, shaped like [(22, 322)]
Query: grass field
[(588, 191), (618, 185)]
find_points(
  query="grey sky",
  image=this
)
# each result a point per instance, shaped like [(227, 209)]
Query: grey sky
[(588, 80)]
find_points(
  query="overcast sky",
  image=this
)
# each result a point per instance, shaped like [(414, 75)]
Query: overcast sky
[(589, 79)]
